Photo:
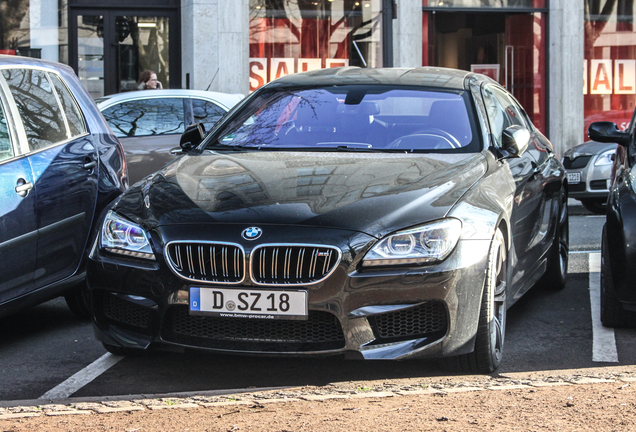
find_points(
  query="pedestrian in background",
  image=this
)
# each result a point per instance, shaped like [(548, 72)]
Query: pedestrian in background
[(148, 81)]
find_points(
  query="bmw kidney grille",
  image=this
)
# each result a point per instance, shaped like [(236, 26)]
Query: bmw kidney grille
[(270, 264), (292, 264), (207, 262)]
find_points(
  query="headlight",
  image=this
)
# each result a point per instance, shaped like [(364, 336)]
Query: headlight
[(123, 237), (427, 243), (606, 158)]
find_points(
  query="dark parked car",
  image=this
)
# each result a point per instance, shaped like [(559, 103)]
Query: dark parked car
[(376, 213), (589, 170), (150, 123), (618, 272), (60, 167)]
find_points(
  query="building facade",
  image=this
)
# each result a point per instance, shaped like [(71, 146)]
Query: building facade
[(569, 62)]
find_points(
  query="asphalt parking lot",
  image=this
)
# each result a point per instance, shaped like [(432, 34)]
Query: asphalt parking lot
[(46, 352)]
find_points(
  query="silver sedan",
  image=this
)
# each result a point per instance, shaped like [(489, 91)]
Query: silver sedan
[(589, 169), (149, 123)]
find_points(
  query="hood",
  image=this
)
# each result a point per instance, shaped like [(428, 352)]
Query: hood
[(374, 193), (589, 148)]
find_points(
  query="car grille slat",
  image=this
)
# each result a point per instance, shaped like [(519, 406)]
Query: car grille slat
[(274, 265), (207, 262)]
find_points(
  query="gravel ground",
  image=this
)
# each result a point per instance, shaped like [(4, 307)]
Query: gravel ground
[(602, 399)]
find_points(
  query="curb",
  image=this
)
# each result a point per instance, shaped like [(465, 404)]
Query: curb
[(290, 395)]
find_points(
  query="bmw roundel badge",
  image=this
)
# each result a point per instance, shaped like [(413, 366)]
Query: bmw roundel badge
[(251, 233)]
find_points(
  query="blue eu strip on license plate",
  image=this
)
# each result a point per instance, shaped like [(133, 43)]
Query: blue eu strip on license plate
[(195, 299)]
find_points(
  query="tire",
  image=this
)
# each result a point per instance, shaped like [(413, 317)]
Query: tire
[(77, 302), (595, 206), (491, 329), (124, 351), (612, 312), (558, 255)]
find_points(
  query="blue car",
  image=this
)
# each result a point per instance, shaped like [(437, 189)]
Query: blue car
[(60, 168)]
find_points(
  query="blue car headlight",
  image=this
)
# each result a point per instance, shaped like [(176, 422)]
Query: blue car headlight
[(428, 243), (120, 236)]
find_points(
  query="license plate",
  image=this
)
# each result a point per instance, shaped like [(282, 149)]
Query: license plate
[(240, 303), (574, 177)]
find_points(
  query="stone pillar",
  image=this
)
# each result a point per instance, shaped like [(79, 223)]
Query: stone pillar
[(407, 34), (565, 72), (215, 45)]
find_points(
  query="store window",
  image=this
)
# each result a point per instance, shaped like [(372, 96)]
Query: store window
[(522, 4), (34, 28), (290, 36), (507, 46), (609, 68)]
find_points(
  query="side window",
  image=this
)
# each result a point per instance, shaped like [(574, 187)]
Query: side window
[(146, 117), (41, 115), (6, 149), (206, 112), (497, 116), (72, 111)]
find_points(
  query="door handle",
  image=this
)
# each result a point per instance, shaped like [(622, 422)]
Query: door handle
[(23, 187)]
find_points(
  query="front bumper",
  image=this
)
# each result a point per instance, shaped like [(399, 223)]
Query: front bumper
[(594, 184), (390, 313)]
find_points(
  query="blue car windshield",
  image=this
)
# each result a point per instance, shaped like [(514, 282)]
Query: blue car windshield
[(354, 117)]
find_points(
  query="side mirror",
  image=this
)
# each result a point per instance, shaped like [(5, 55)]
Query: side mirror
[(607, 132), (515, 140), (192, 136)]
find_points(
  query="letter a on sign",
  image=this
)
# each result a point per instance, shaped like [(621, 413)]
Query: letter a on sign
[(601, 77), (624, 76), (281, 67)]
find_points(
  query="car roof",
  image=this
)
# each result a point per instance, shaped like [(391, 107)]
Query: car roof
[(228, 100), (421, 76), (14, 60)]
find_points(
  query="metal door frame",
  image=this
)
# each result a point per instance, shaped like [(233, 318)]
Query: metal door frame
[(110, 56)]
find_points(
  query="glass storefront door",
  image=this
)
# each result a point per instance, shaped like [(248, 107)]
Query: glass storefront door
[(508, 47), (110, 49)]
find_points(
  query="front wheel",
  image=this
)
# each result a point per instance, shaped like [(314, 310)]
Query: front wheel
[(558, 255), (78, 303), (491, 328), (612, 312), (594, 205)]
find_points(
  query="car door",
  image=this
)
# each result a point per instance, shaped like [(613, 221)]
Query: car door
[(530, 214), (18, 227), (148, 129), (64, 164)]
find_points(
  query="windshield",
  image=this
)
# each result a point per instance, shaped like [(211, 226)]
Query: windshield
[(354, 117)]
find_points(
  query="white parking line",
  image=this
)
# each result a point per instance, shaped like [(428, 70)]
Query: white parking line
[(604, 340), (83, 377)]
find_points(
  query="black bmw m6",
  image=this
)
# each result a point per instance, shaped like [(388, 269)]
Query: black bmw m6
[(376, 213)]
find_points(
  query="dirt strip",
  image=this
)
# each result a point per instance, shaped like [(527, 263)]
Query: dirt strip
[(600, 399)]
